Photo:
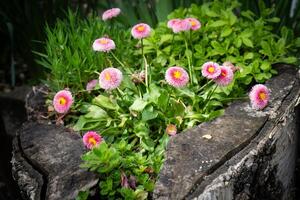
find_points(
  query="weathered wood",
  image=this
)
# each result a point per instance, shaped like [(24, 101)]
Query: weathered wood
[(248, 150), (46, 162)]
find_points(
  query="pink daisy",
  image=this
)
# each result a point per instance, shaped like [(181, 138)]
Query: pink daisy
[(141, 31), (211, 70), (91, 84), (171, 22), (195, 24), (108, 14), (62, 101), (104, 44), (181, 25), (232, 67), (91, 139), (110, 78), (259, 96), (171, 130), (177, 76), (226, 76)]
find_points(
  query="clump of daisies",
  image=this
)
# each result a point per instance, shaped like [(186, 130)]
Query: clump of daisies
[(136, 109)]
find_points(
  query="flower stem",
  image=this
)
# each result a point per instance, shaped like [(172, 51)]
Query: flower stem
[(115, 57), (209, 96), (189, 62), (206, 84), (146, 67), (172, 45)]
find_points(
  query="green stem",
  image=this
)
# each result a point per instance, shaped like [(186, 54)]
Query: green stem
[(146, 67), (172, 45), (209, 96), (189, 62), (121, 92), (206, 84), (235, 98), (115, 57)]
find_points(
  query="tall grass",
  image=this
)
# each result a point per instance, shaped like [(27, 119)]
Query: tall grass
[(69, 55)]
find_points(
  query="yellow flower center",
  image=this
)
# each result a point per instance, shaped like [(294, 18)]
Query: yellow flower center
[(193, 23), (107, 76), (177, 74), (211, 69), (103, 41), (223, 73), (140, 28), (92, 141), (262, 96), (62, 101)]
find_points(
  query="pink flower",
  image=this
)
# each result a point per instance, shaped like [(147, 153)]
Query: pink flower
[(177, 76), (181, 25), (226, 76), (62, 101), (232, 67), (91, 139), (211, 70), (172, 22), (104, 44), (171, 130), (195, 24), (108, 14), (259, 96), (110, 78), (141, 31), (91, 84)]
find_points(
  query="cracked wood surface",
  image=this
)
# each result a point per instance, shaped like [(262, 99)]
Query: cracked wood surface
[(48, 156)]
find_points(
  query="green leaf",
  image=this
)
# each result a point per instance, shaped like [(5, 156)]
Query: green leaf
[(105, 102), (248, 55), (95, 112), (82, 195), (273, 20), (247, 42), (266, 49), (138, 105), (265, 66), (227, 31), (289, 60), (218, 23), (149, 114)]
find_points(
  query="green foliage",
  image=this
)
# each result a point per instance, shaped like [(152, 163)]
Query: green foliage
[(69, 55), (247, 41), (133, 118)]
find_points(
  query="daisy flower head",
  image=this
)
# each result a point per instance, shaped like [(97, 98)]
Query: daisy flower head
[(91, 84), (171, 129), (177, 77), (171, 22), (110, 78), (111, 13), (103, 44), (62, 101), (141, 31), (226, 76), (232, 67), (195, 23), (259, 96), (211, 70), (91, 139), (181, 25)]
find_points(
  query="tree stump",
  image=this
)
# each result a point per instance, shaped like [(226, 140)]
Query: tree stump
[(250, 154), (46, 157)]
